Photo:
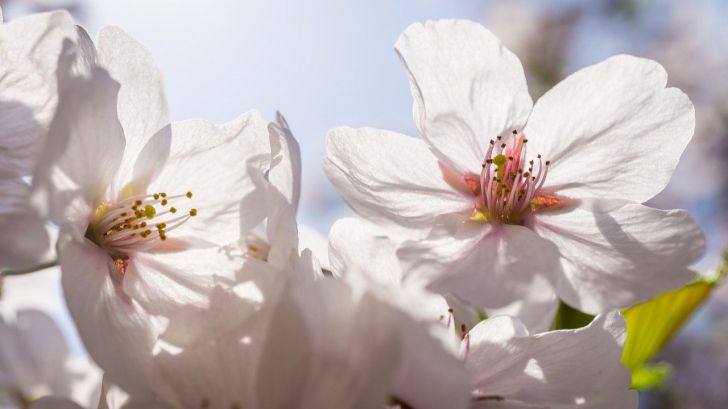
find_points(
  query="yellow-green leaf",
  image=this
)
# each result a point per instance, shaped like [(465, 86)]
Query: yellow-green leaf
[(651, 376), (652, 324)]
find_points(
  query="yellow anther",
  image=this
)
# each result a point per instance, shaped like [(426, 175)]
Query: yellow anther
[(173, 209), (138, 203), (193, 212), (189, 195), (162, 194), (479, 216), (156, 196), (150, 211), (164, 202)]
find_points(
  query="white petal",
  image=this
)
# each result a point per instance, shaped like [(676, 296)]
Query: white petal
[(208, 357), (211, 162), (85, 378), (467, 88), (430, 375), (358, 251), (38, 38), (116, 332), (281, 227), (536, 310), (86, 139), (612, 130), (29, 47), (26, 99), (32, 354), (55, 402), (389, 178), (486, 265), (613, 260), (310, 238), (539, 369), (285, 170), (24, 239), (267, 214), (162, 282), (329, 348), (142, 106), (86, 57)]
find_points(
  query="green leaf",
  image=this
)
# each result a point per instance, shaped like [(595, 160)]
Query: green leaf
[(652, 324), (651, 376), (570, 318)]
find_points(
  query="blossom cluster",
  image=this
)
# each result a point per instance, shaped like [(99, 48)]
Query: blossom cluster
[(184, 270)]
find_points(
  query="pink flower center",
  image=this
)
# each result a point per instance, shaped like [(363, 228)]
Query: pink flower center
[(137, 223), (509, 186)]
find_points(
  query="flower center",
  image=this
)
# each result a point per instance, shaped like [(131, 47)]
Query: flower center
[(256, 247), (508, 186), (137, 223)]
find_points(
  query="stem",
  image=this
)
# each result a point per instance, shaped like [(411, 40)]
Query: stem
[(42, 266)]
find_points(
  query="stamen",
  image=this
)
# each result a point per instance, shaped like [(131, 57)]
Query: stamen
[(505, 194), (122, 227)]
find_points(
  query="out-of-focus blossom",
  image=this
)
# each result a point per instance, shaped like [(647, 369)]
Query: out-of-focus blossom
[(500, 191), (142, 214), (334, 344), (430, 374), (29, 49), (35, 362), (506, 365), (269, 231), (512, 369), (274, 342)]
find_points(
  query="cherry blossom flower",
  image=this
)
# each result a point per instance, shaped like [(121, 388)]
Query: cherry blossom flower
[(29, 48), (560, 369), (269, 231), (507, 366), (143, 205), (430, 374), (280, 342), (501, 191), (284, 336), (35, 362)]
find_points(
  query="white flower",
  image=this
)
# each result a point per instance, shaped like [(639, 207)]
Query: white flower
[(292, 343), (561, 369), (501, 191), (35, 361), (430, 374), (282, 337), (208, 357), (269, 231), (333, 345), (29, 49), (143, 206), (506, 365)]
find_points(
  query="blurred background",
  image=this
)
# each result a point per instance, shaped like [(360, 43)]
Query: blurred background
[(327, 63)]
